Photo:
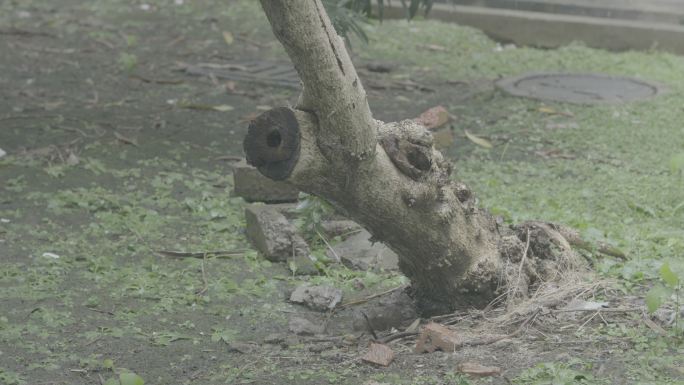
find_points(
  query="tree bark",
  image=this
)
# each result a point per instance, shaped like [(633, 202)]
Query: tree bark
[(386, 176)]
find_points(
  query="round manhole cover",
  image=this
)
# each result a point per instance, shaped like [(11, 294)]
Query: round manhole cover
[(579, 88)]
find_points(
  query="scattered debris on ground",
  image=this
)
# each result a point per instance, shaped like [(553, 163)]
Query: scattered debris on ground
[(321, 298), (272, 234)]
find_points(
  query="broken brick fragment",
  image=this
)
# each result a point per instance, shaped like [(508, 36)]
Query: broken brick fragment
[(436, 336), (379, 354)]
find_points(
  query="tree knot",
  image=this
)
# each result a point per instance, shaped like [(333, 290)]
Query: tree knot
[(412, 159)]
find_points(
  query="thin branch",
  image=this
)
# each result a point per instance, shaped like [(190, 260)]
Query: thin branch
[(366, 299), (327, 244), (201, 254)]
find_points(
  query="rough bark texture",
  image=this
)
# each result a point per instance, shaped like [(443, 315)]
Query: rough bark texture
[(386, 176), (332, 89)]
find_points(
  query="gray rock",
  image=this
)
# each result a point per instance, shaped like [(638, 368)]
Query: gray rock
[(395, 310), (304, 327), (272, 235), (321, 298), (357, 252)]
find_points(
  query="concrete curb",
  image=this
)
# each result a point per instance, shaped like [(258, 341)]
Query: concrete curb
[(550, 30)]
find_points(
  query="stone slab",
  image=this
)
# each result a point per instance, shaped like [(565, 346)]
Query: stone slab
[(251, 186), (357, 252), (272, 235), (551, 30), (663, 11)]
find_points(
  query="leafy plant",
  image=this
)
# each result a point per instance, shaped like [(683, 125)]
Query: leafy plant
[(346, 19), (312, 211), (125, 378), (223, 335), (347, 15), (556, 374), (127, 61), (365, 7), (671, 286), (122, 376), (10, 378)]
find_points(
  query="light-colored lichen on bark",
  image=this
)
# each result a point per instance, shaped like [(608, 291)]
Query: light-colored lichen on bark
[(389, 178)]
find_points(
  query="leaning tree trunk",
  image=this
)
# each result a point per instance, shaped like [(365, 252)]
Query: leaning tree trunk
[(387, 176)]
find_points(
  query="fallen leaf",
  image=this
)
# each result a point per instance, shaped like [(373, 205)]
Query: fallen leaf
[(229, 158), (433, 47), (414, 326), (551, 111), (201, 254), (207, 107), (49, 106), (228, 37), (50, 255), (475, 369), (379, 354), (554, 153), (560, 126), (654, 326), (227, 66), (125, 140), (223, 108), (72, 159), (248, 118), (230, 86), (477, 140), (585, 305), (130, 379), (434, 117)]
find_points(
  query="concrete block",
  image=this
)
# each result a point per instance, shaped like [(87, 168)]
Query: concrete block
[(357, 252), (272, 235), (250, 185)]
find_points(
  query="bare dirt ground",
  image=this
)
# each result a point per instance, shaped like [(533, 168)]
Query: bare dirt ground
[(115, 153)]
